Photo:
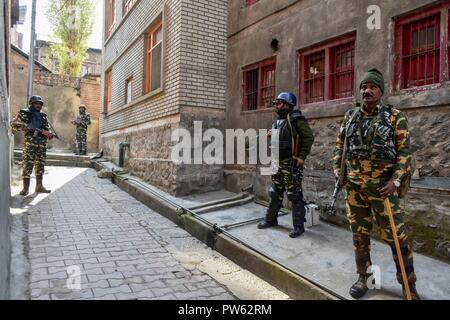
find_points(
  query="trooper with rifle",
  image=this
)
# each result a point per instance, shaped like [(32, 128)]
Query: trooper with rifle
[(372, 158), (294, 138), (34, 123)]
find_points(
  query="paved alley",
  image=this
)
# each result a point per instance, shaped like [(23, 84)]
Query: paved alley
[(90, 240)]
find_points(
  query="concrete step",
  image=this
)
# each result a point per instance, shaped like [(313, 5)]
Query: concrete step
[(62, 159)]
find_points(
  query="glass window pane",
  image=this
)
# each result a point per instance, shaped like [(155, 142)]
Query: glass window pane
[(156, 68)]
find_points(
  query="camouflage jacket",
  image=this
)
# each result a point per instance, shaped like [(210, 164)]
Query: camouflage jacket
[(382, 145), (32, 120), (83, 120)]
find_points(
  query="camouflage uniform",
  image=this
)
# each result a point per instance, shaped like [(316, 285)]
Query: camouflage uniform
[(289, 177), (82, 122), (35, 144), (377, 152)]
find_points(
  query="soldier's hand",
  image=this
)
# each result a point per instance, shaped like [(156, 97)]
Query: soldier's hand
[(300, 162), (387, 189)]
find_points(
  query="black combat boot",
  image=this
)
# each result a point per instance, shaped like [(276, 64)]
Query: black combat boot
[(39, 187), (26, 187), (267, 224), (413, 290), (359, 288), (297, 231)]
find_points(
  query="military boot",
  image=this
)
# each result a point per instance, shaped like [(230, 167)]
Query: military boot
[(359, 288), (297, 231), (267, 224), (298, 214), (39, 187), (413, 290), (26, 187)]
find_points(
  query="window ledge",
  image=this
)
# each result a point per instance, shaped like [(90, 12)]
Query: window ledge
[(248, 112), (133, 103)]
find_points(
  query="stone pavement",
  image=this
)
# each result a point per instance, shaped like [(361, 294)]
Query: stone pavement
[(89, 233)]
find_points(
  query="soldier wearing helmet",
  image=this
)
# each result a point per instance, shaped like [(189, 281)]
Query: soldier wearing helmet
[(34, 123), (82, 122), (293, 138)]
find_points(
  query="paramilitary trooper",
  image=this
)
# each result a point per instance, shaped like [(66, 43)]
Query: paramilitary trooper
[(37, 132), (377, 159), (295, 139), (82, 122)]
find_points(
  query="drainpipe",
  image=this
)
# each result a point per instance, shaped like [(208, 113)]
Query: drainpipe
[(122, 146)]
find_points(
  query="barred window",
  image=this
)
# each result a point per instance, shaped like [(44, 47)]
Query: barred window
[(259, 85)]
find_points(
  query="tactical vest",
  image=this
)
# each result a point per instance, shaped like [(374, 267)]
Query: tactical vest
[(37, 119), (285, 133), (379, 141)]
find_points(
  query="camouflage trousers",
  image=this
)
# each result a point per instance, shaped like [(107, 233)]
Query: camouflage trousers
[(81, 141), (287, 180), (34, 155), (364, 203)]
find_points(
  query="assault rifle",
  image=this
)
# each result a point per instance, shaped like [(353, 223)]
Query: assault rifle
[(340, 182)]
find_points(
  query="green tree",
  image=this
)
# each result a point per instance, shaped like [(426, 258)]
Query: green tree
[(71, 22)]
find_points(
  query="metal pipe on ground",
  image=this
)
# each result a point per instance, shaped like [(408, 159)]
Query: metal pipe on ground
[(225, 205), (211, 203)]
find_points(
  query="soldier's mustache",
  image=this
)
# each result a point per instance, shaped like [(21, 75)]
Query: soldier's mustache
[(366, 95)]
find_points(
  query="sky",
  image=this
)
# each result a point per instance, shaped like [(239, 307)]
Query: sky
[(43, 30)]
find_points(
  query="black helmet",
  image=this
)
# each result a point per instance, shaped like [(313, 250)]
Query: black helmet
[(287, 97), (35, 99)]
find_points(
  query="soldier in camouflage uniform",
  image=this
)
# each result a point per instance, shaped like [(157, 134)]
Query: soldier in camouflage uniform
[(37, 132), (290, 126), (82, 122), (378, 157)]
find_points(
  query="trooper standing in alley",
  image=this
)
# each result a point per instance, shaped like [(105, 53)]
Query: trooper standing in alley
[(82, 122), (377, 158), (294, 138), (34, 124)]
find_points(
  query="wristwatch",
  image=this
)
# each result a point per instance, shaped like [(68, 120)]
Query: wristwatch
[(397, 183)]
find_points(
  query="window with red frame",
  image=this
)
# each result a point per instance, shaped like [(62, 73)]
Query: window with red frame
[(422, 51), (327, 72), (153, 58), (110, 17), (248, 3), (127, 4), (259, 85), (108, 90)]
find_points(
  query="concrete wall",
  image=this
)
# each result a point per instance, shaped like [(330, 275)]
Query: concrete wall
[(302, 24), (4, 152), (194, 81), (62, 96)]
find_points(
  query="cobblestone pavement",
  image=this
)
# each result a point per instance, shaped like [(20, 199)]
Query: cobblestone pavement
[(120, 248)]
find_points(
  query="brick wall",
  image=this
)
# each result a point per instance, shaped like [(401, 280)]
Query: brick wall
[(90, 96), (124, 55), (194, 83), (203, 53)]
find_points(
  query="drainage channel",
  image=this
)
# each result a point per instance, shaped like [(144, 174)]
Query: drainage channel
[(224, 230)]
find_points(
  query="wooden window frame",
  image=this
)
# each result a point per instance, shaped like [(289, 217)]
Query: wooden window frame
[(110, 17), (108, 91), (260, 67), (444, 43), (150, 45), (327, 47), (127, 5)]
